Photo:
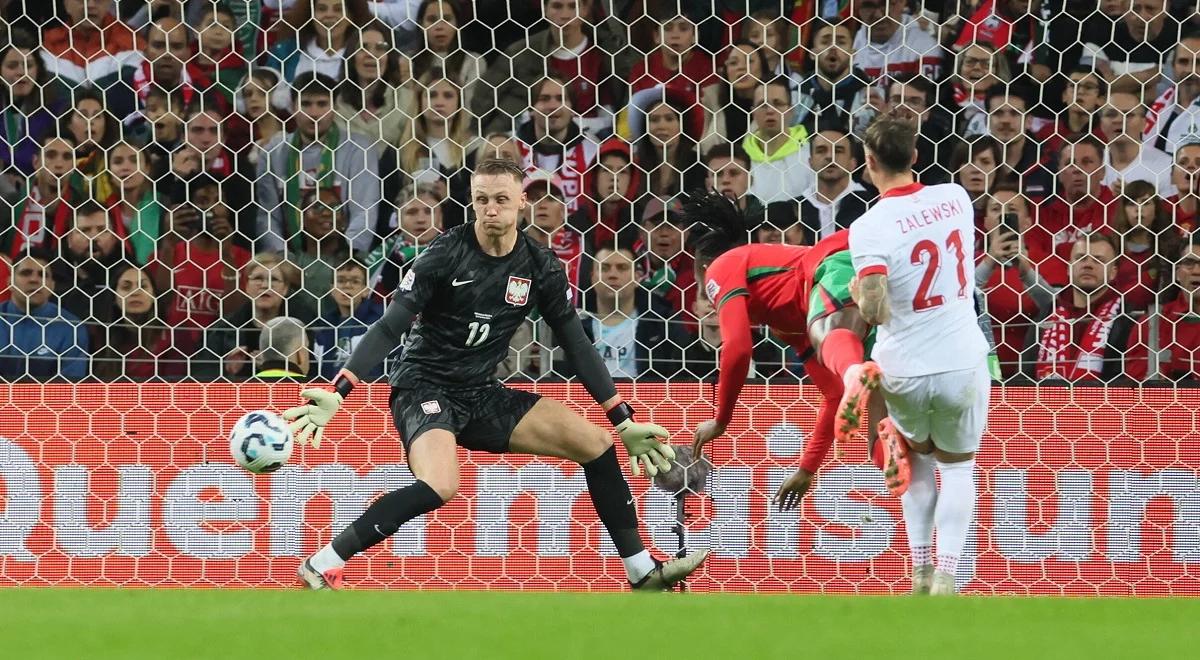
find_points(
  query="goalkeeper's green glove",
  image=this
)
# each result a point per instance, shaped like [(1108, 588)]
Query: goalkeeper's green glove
[(311, 419), (641, 441)]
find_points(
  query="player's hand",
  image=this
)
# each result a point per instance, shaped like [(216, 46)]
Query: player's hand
[(645, 449), (311, 419), (706, 433), (793, 490)]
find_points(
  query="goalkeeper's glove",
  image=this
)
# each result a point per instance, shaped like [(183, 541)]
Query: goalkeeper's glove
[(311, 419), (641, 441)]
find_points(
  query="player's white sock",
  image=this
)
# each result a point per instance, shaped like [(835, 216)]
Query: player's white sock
[(638, 566), (955, 510), (326, 559), (918, 503)]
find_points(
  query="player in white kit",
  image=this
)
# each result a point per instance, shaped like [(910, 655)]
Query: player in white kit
[(914, 259)]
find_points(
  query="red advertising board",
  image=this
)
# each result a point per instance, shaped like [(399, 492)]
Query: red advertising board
[(1082, 491)]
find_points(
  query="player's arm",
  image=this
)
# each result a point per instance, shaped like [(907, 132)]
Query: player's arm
[(640, 440), (725, 285), (871, 296), (869, 289), (377, 343)]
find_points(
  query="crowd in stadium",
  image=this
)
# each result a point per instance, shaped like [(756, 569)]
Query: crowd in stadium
[(180, 173)]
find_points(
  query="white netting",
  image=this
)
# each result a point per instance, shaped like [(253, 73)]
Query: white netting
[(178, 172)]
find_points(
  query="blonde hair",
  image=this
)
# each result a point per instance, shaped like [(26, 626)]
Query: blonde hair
[(413, 141)]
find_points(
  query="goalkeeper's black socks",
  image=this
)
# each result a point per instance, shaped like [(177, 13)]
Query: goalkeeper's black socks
[(614, 503), (385, 516)]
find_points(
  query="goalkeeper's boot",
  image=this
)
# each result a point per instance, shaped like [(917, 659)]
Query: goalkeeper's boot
[(897, 472), (922, 580), (316, 580), (860, 380), (667, 574), (943, 584)]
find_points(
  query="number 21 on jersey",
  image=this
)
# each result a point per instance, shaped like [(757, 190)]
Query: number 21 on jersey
[(929, 254)]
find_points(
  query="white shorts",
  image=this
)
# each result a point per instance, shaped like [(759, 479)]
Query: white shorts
[(950, 408)]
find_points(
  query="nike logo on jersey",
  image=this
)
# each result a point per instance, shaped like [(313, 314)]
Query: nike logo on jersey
[(458, 283)]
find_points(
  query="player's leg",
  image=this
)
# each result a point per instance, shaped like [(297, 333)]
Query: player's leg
[(960, 405), (909, 423), (549, 428), (426, 421)]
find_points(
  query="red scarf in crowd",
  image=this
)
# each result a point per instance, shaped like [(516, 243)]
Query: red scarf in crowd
[(1060, 356)]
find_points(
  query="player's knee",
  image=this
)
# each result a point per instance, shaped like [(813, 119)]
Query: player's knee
[(446, 486), (953, 457), (596, 442)]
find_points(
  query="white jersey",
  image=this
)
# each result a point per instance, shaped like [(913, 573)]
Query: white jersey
[(923, 239)]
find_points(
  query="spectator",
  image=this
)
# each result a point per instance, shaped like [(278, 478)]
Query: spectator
[(87, 255), (166, 67), (1174, 114), (976, 166), (837, 199), (232, 342), (1186, 177), (700, 360), (1081, 204), (674, 59), (1082, 96), (729, 103), (323, 248), (346, 321), (42, 212), (886, 45), (216, 54), (768, 32), (203, 134), (551, 140), (727, 171), (38, 341), (91, 43), (613, 187), (417, 222), (1136, 48), (282, 350), (570, 50), (835, 89), (1014, 28), (160, 127), (978, 67), (1088, 329), (439, 145), (667, 150), (196, 262), (1008, 122), (371, 99), (504, 147), (322, 28), (546, 217), (1166, 342), (1006, 273), (135, 206), (131, 341), (263, 103), (912, 97), (441, 21), (669, 270), (316, 153), (1126, 157), (31, 99), (94, 131), (778, 150), (1146, 233), (626, 323)]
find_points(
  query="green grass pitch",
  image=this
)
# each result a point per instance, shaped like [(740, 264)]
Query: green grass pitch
[(146, 623)]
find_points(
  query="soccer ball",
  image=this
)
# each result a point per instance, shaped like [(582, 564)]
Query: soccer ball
[(260, 441)]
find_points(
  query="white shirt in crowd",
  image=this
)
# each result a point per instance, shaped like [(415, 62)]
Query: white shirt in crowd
[(1152, 165)]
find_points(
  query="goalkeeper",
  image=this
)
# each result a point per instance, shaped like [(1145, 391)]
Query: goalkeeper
[(472, 287)]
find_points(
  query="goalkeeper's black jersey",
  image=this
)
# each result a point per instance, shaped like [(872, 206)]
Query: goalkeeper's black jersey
[(470, 304)]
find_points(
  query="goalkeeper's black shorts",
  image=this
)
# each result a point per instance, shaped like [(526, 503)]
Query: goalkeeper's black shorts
[(481, 418)]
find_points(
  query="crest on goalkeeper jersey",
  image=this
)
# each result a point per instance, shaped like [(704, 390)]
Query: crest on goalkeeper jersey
[(406, 284), (517, 291)]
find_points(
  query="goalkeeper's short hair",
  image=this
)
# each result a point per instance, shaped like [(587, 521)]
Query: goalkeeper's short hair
[(280, 339)]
